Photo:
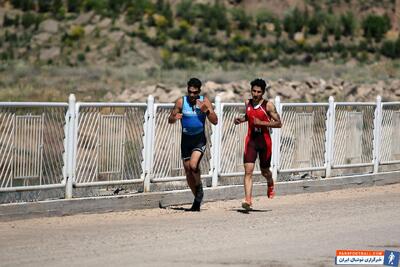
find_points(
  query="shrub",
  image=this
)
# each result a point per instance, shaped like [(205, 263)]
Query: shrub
[(44, 6), (349, 23), (264, 16), (17, 3), (98, 6), (317, 21), (187, 11), (28, 19), (117, 6), (8, 21), (243, 20), (164, 8), (160, 21), (241, 54), (80, 57), (391, 48), (160, 39), (183, 62), (25, 5), (136, 11), (313, 25), (214, 16), (332, 24), (376, 26), (293, 22), (263, 31), (74, 6), (10, 37), (184, 29), (76, 32), (166, 57)]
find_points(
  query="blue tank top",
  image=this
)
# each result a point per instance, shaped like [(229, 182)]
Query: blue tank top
[(193, 119)]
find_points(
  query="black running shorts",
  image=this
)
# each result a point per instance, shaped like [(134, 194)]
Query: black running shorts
[(192, 143)]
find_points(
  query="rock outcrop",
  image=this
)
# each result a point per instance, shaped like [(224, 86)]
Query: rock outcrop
[(309, 90)]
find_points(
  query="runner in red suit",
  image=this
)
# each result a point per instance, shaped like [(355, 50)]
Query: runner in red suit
[(261, 115)]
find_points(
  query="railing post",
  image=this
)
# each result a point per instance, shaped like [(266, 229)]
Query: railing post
[(70, 146), (276, 144), (377, 133), (216, 151), (329, 135), (148, 143)]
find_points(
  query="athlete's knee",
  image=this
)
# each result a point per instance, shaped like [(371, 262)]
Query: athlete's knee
[(248, 173), (194, 166), (266, 173)]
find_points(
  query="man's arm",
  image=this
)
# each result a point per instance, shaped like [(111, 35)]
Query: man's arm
[(275, 121), (176, 112), (240, 120), (211, 115)]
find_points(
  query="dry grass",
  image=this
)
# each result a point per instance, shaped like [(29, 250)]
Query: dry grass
[(22, 82)]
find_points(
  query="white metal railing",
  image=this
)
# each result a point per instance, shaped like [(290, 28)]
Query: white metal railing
[(109, 143), (389, 133), (49, 145), (32, 145)]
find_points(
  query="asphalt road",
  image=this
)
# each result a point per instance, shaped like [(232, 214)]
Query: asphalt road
[(294, 230)]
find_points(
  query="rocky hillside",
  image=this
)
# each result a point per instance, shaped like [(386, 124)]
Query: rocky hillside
[(186, 34), (49, 48)]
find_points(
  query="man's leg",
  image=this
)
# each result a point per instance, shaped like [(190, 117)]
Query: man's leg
[(268, 175), (194, 165), (189, 176), (195, 171), (248, 182)]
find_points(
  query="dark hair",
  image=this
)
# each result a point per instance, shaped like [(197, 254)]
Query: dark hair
[(261, 83), (194, 82)]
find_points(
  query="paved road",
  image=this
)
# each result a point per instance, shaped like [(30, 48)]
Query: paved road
[(295, 230)]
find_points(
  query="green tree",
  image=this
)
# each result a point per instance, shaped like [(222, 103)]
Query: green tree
[(375, 26), (74, 6), (349, 23), (293, 22), (242, 19), (391, 49), (28, 19), (44, 6)]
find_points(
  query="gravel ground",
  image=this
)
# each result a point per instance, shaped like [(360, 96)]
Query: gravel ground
[(293, 230)]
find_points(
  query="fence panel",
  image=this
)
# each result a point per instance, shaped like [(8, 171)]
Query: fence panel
[(32, 144), (353, 134), (390, 144), (167, 162), (109, 143), (232, 140), (302, 137)]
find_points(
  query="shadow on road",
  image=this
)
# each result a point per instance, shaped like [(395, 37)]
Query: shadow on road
[(183, 209), (249, 211)]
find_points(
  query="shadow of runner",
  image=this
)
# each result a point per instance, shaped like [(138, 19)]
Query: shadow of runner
[(249, 211), (184, 209)]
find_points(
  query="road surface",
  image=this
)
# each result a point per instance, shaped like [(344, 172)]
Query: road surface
[(293, 230)]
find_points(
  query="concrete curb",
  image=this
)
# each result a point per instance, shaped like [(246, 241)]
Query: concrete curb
[(64, 207)]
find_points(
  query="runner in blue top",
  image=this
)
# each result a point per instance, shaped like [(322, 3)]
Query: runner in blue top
[(192, 109)]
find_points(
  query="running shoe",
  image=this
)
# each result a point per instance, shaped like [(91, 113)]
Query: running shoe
[(246, 205), (270, 191)]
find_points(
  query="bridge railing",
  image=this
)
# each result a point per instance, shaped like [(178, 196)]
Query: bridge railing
[(45, 145), (32, 145)]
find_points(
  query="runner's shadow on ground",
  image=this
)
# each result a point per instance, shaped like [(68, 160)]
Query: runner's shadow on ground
[(249, 211), (183, 209)]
